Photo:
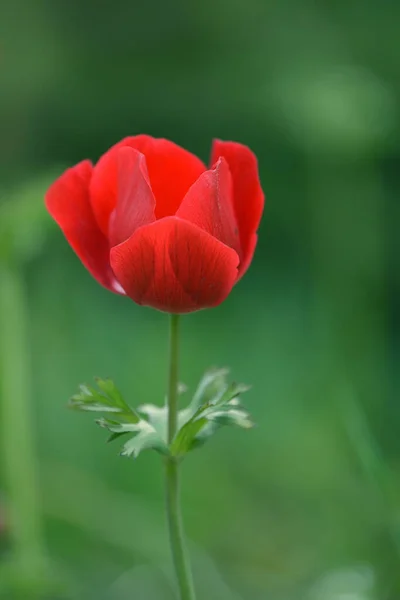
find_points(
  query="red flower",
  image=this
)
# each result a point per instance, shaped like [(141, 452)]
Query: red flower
[(151, 221)]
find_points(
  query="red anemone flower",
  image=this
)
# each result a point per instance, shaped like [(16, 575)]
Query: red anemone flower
[(149, 220)]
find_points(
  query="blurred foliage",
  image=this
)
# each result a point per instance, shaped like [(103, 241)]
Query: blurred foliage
[(307, 505)]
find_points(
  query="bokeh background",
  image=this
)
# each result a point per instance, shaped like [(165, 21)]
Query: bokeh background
[(307, 505)]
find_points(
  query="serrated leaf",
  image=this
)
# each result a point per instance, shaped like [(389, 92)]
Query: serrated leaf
[(106, 399), (157, 416), (215, 404), (184, 439), (220, 407), (229, 394), (144, 441), (115, 436), (93, 406), (231, 417), (210, 385), (144, 436), (110, 391)]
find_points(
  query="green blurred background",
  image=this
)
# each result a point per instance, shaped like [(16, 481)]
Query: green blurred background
[(307, 505)]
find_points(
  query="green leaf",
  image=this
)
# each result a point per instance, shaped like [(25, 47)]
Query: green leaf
[(214, 405), (229, 394), (144, 441), (185, 437), (210, 385), (158, 415), (232, 416), (106, 399), (144, 437), (115, 436), (109, 390)]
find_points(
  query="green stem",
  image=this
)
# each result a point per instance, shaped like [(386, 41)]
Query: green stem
[(18, 455), (176, 534), (173, 376)]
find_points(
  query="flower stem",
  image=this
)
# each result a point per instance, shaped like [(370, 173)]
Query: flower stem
[(173, 376), (176, 534)]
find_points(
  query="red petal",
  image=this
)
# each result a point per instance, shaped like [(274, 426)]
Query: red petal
[(172, 170), (67, 200), (245, 263), (175, 267), (208, 204), (136, 203), (104, 187), (248, 197)]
